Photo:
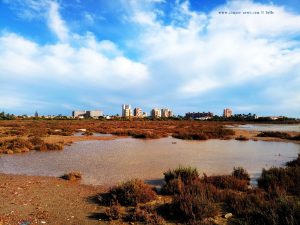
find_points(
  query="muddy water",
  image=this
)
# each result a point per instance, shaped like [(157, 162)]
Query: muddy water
[(109, 162)]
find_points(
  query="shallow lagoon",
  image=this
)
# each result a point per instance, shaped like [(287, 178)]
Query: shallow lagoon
[(269, 127), (109, 162)]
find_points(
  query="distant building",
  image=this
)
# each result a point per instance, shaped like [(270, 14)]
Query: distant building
[(227, 113), (93, 114), (166, 113), (138, 112), (199, 115), (155, 113), (87, 114), (79, 113), (126, 110), (145, 114)]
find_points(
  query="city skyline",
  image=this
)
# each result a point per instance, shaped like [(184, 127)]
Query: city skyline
[(58, 56)]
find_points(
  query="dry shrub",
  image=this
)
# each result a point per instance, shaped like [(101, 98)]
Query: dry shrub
[(227, 182), (190, 136), (72, 176), (240, 173), (145, 214), (242, 138), (255, 208), (49, 147), (35, 140), (177, 178), (186, 174), (15, 145), (296, 138), (294, 163), (276, 134), (114, 212), (172, 187), (88, 133), (132, 192), (194, 202), (282, 179)]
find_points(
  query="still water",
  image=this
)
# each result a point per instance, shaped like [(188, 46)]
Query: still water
[(269, 127), (109, 162)]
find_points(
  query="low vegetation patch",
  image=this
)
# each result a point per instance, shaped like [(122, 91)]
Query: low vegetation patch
[(240, 173), (276, 134), (131, 192), (242, 138), (72, 176), (200, 200), (49, 147), (285, 179), (227, 182), (15, 145)]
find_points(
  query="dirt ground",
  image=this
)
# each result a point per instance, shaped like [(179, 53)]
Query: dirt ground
[(47, 200)]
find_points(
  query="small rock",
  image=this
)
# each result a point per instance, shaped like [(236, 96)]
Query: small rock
[(228, 215), (43, 222)]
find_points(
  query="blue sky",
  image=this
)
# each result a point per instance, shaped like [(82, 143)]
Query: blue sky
[(59, 55)]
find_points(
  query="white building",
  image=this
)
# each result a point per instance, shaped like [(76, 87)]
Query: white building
[(78, 113), (155, 113), (94, 113), (166, 113), (87, 114), (227, 113), (138, 113), (126, 111)]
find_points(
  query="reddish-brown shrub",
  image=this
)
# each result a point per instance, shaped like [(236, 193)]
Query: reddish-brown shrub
[(226, 182), (132, 192), (194, 202)]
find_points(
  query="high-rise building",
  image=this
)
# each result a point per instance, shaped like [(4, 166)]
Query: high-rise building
[(126, 110), (227, 113), (165, 113), (138, 112), (155, 113)]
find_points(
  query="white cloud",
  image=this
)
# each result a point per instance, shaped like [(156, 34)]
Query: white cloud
[(56, 24), (87, 64), (207, 52)]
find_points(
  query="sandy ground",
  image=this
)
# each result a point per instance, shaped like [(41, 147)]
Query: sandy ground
[(47, 200)]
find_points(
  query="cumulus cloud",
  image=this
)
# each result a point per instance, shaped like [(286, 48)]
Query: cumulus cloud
[(181, 55), (209, 52), (61, 62), (74, 61)]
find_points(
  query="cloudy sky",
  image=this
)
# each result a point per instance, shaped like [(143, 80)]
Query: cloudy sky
[(187, 55)]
